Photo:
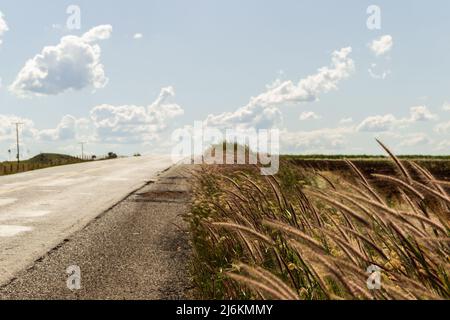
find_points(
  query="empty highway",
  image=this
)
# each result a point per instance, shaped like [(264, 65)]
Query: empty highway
[(39, 209)]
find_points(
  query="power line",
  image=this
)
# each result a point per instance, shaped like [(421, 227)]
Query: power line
[(82, 149), (17, 124)]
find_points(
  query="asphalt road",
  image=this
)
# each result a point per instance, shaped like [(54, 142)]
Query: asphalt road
[(139, 249), (40, 209)]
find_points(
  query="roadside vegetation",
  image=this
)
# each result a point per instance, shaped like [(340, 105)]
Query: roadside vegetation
[(46, 160), (312, 232), (365, 156), (41, 161)]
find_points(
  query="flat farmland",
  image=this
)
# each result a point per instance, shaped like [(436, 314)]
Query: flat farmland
[(439, 167), (317, 228)]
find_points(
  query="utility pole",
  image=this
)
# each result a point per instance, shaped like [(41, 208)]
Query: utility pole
[(17, 140), (82, 149)]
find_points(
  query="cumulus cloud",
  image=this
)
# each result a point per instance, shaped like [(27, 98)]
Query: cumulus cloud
[(386, 122), (138, 36), (105, 123), (377, 123), (421, 113), (378, 75), (308, 89), (97, 33), (382, 45), (346, 120), (443, 146), (322, 140), (309, 115), (73, 64), (69, 128), (250, 116), (262, 111), (446, 106), (443, 127), (415, 139), (3, 29), (134, 124), (8, 129)]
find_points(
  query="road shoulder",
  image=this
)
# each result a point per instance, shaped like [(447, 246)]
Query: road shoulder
[(139, 249)]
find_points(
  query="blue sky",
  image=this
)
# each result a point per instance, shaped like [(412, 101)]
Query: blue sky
[(205, 60)]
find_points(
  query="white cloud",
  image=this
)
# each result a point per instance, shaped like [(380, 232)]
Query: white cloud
[(386, 122), (443, 146), (308, 89), (414, 140), (346, 120), (247, 117), (69, 128), (379, 76), (133, 124), (421, 113), (322, 140), (443, 127), (3, 26), (309, 115), (262, 111), (73, 64), (138, 36), (377, 123), (8, 128), (446, 106), (382, 45), (102, 32), (105, 124)]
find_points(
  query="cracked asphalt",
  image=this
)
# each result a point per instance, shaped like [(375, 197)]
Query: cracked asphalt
[(139, 249)]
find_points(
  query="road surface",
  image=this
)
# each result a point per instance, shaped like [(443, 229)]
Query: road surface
[(40, 209)]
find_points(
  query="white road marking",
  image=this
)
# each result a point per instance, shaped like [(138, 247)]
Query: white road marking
[(23, 214), (6, 201), (12, 185), (112, 179), (63, 182), (11, 231)]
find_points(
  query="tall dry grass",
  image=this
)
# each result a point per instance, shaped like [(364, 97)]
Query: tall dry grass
[(305, 235)]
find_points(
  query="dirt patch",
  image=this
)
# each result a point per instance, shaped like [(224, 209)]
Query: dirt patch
[(163, 196)]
